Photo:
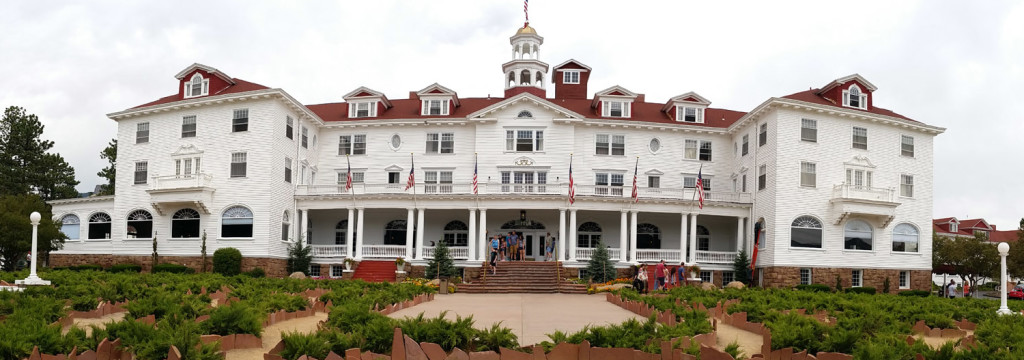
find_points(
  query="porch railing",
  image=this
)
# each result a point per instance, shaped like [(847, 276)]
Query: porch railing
[(584, 254), (180, 181), (493, 188), (847, 191), (328, 250), (654, 255), (384, 251), (456, 252), (715, 257)]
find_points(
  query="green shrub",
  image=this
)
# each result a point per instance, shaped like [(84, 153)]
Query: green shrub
[(236, 318), (861, 290), (84, 303), (86, 267), (256, 273), (919, 293), (172, 268), (125, 268), (297, 344), (814, 287), (227, 261)]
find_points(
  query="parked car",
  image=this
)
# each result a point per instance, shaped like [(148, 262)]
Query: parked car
[(1016, 293)]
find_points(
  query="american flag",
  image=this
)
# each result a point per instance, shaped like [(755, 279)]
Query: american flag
[(348, 175), (700, 189), (474, 174), (412, 175), (572, 186), (636, 195), (526, 10)]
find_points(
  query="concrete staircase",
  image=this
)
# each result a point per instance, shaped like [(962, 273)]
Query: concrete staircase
[(511, 277), (375, 271)]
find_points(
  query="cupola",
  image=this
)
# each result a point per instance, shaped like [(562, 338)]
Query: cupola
[(525, 73)]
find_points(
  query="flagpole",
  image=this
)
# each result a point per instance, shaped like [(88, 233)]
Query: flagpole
[(412, 170), (636, 188), (348, 175), (691, 207)]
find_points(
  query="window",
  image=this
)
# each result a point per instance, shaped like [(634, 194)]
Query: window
[(443, 143), (197, 86), (236, 222), (287, 169), (857, 235), (142, 133), (953, 227), (744, 184), (286, 222), (341, 233), (805, 276), (608, 184), (314, 270), (588, 235), (616, 145), (808, 174), (289, 127), (615, 109), (185, 224), (394, 177), (571, 77), (456, 233), (690, 149), (70, 225), (396, 142), (728, 277), (905, 238), (358, 177), (746, 144), (238, 164), (524, 181), (140, 225), (305, 137), (904, 279), (99, 226), (907, 185), (524, 140), (240, 120), (857, 278), (435, 107), (352, 145), (690, 182), (362, 109), (395, 231), (689, 114), (703, 238), (188, 126), (762, 177), (853, 97), (524, 114), (858, 178), (907, 145), (809, 130), (648, 236), (705, 151), (654, 182), (805, 232), (337, 271), (437, 182), (860, 138), (141, 172), (762, 135), (705, 276), (654, 145)]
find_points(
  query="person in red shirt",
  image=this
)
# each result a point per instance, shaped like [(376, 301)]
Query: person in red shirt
[(659, 274)]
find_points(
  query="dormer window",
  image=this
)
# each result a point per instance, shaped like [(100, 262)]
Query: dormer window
[(854, 98), (571, 77), (615, 109), (362, 109), (952, 227), (435, 107), (197, 86), (689, 114)]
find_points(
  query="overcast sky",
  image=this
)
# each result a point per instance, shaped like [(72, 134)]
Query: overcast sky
[(956, 65)]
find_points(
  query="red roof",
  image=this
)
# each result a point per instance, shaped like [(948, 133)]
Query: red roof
[(974, 224), (1003, 236), (401, 109), (812, 96), (239, 87)]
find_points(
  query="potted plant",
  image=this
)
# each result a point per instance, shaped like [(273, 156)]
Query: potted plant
[(695, 272), (349, 263), (400, 263)]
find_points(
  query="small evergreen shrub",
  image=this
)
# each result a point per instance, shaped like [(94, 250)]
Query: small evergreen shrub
[(861, 290), (172, 268), (600, 267), (256, 273), (84, 303), (227, 261), (125, 268), (86, 267), (814, 287), (885, 286), (299, 258), (441, 264), (919, 293), (236, 318)]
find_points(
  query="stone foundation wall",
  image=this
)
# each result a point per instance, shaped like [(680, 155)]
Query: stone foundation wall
[(785, 277), (272, 267)]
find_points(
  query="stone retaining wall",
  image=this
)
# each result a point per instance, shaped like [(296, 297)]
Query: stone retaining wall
[(272, 267), (787, 277)]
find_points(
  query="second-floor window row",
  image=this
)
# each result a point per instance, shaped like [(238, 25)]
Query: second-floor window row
[(440, 143), (352, 145), (524, 140), (610, 144)]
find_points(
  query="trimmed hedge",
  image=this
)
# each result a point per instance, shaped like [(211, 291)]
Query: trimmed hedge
[(86, 267), (814, 287), (172, 268), (861, 290), (256, 273), (125, 268), (227, 261), (920, 293)]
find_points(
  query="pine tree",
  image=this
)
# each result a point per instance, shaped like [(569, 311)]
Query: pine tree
[(442, 263), (110, 154), (25, 165), (600, 267), (741, 268), (299, 257)]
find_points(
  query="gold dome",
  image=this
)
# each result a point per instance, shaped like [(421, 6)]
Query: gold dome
[(526, 29)]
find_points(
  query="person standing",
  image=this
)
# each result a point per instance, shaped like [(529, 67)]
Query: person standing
[(672, 276), (681, 273), (503, 243), (659, 275), (513, 245), (549, 248), (642, 278), (495, 245), (951, 289)]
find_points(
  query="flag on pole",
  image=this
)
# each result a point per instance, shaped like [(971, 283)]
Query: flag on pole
[(475, 162), (572, 185), (757, 241), (348, 174), (700, 188), (412, 174), (636, 195), (526, 11)]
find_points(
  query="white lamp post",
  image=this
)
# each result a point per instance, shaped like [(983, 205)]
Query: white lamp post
[(1004, 249), (32, 278)]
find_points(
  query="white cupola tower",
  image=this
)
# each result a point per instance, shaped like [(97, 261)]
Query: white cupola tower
[(525, 73)]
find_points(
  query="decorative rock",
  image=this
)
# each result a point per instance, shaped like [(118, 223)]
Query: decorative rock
[(484, 355), (412, 350), (538, 353), (584, 353), (333, 356), (433, 351), (297, 275), (173, 353), (708, 286), (735, 285), (397, 345), (457, 354), (353, 354), (564, 351), (509, 354)]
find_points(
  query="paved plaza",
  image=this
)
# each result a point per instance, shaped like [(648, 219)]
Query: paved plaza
[(530, 316)]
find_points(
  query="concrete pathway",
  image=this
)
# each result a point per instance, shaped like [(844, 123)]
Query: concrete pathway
[(530, 316)]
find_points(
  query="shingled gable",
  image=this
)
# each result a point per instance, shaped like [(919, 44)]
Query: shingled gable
[(687, 98), (207, 69), (436, 90), (846, 79), (482, 113), (572, 64), (368, 94), (615, 91)]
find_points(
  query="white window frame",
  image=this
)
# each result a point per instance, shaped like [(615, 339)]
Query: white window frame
[(746, 145), (367, 108), (862, 98), (68, 220), (353, 141), (858, 178), (683, 112), (141, 172), (614, 145), (316, 273), (288, 170), (857, 278), (188, 126), (731, 277), (809, 279), (707, 276), (907, 145), (808, 174), (705, 145), (524, 181), (857, 145), (870, 232), (809, 130), (440, 143), (906, 185), (438, 181), (653, 181), (762, 135), (512, 140), (305, 137), (906, 233), (605, 183), (435, 107), (571, 77), (337, 271), (240, 120), (624, 110), (358, 177), (691, 149), (238, 158), (904, 279), (142, 133), (762, 177), (289, 127), (807, 222), (197, 79)]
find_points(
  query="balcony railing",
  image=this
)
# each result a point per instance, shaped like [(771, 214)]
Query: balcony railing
[(654, 255), (456, 252), (328, 251), (715, 257), (854, 192), (584, 254), (384, 251), (169, 182), (526, 189)]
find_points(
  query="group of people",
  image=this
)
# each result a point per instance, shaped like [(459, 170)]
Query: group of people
[(950, 289), (665, 277), (512, 247)]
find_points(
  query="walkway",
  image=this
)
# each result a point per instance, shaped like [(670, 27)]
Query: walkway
[(530, 316)]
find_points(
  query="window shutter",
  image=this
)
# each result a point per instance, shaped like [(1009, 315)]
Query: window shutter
[(188, 89), (700, 115), (444, 108), (604, 108), (206, 87), (426, 107), (846, 98), (626, 106)]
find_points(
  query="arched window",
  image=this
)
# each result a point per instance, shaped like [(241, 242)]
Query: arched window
[(286, 224), (185, 224), (511, 78), (236, 222), (526, 51), (197, 85), (525, 114), (904, 238), (805, 232), (70, 225), (857, 235), (99, 226), (394, 232), (703, 238), (524, 77), (853, 97), (456, 233), (588, 235), (140, 225), (648, 236), (540, 79)]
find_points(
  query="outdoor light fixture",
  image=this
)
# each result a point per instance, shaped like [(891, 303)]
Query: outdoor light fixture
[(522, 215)]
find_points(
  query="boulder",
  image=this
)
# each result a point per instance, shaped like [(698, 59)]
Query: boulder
[(297, 275), (735, 285), (708, 286)]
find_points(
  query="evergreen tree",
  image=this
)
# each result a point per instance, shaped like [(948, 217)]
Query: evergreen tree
[(600, 268), (25, 165), (442, 264), (57, 178), (16, 229), (110, 154), (741, 267), (299, 257)]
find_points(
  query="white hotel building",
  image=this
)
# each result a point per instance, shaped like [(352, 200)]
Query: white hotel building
[(840, 187)]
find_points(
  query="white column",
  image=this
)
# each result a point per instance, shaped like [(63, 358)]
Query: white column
[(359, 234), (1003, 250), (632, 236), (420, 228), (572, 235), (472, 235), (304, 227), (693, 239), (623, 236), (683, 233), (409, 226), (349, 239), (561, 235), (33, 278), (485, 252), (739, 233)]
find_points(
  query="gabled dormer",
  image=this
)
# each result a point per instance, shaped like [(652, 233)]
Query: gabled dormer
[(365, 102), (201, 80), (614, 102), (853, 91), (571, 80), (687, 108), (437, 100)]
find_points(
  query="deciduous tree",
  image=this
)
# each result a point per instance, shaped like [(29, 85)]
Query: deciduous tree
[(1015, 260), (970, 258), (16, 229)]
